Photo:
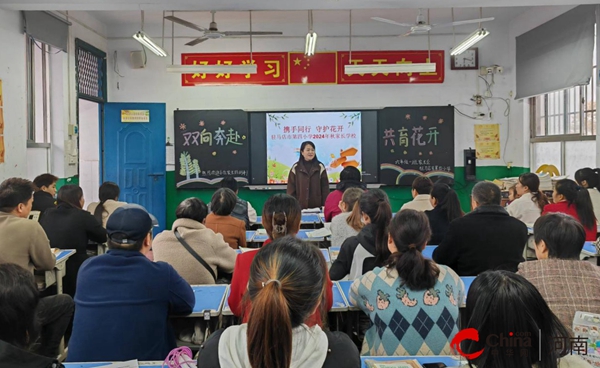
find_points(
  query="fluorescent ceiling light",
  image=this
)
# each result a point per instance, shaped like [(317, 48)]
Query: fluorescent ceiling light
[(475, 37), (390, 68), (145, 40), (311, 43), (213, 69)]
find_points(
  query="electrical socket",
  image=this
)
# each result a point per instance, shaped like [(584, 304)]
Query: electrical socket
[(479, 115)]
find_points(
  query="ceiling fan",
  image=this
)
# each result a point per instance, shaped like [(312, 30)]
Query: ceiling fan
[(213, 32), (422, 25)]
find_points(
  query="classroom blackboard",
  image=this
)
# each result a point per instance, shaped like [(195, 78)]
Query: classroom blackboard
[(210, 145), (415, 141)]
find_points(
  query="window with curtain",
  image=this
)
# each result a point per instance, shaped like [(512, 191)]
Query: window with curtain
[(38, 91), (563, 127)]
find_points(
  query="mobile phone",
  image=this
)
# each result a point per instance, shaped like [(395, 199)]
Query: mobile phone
[(434, 365)]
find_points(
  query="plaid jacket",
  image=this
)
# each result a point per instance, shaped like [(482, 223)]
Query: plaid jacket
[(566, 285)]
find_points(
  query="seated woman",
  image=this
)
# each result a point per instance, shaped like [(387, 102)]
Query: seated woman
[(574, 200), (360, 254), (109, 202), (210, 247), (19, 299), (281, 217), (502, 303), (347, 223), (408, 290), (220, 220), (446, 208), (528, 207), (286, 285), (68, 226), (43, 198), (590, 179), (349, 178)]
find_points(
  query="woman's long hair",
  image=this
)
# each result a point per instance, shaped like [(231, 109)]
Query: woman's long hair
[(281, 216), (71, 195), (108, 190), (580, 198), (410, 232), (504, 306), (532, 182), (287, 282), (376, 205), (351, 198), (447, 200)]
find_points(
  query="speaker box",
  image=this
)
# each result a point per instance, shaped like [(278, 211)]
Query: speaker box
[(137, 60), (470, 164)]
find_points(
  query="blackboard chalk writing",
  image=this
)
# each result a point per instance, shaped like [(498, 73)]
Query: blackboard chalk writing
[(233, 137), (224, 172), (220, 137), (193, 135), (416, 136), (389, 137), (403, 141), (432, 134), (206, 137)]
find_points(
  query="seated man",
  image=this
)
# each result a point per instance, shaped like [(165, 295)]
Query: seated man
[(43, 198), (487, 238), (243, 209), (123, 300), (24, 243), (566, 283), (421, 189), (18, 300)]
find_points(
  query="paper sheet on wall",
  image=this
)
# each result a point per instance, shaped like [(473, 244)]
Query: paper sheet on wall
[(1, 121), (487, 141), (170, 155), (1, 98)]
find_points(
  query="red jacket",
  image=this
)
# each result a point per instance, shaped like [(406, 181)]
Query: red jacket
[(564, 207), (332, 205), (239, 285)]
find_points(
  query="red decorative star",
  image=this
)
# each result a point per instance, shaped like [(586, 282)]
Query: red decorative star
[(182, 126), (201, 123)]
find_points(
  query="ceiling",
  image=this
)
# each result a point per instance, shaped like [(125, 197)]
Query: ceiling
[(121, 5), (502, 15)]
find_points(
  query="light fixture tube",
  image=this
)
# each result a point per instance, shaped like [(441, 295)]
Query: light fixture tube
[(390, 68), (311, 43), (145, 40), (213, 69), (473, 38)]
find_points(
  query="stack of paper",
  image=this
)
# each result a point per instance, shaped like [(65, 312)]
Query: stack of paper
[(545, 181), (319, 233), (506, 182), (311, 210)]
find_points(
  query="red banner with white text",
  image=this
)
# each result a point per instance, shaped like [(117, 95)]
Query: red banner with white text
[(295, 68)]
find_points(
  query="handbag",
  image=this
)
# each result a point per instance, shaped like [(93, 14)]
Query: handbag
[(196, 255)]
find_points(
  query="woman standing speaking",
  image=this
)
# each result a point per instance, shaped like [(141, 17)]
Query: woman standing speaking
[(308, 180)]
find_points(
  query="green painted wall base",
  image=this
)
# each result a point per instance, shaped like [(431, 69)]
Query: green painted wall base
[(398, 195)]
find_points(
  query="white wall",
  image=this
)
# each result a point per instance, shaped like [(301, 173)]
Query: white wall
[(153, 84), (12, 74)]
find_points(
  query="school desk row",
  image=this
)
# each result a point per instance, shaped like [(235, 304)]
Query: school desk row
[(211, 300), (448, 360), (49, 278)]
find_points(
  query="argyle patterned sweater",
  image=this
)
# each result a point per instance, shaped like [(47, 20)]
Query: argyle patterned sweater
[(405, 321)]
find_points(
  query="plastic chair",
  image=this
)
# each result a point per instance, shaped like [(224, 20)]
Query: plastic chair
[(548, 169)]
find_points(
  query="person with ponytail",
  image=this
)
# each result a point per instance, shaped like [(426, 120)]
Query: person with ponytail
[(367, 250), (590, 180), (409, 289), (531, 201), (281, 217), (574, 200), (286, 285), (446, 208), (109, 202), (348, 223)]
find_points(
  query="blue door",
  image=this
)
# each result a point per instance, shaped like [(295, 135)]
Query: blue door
[(134, 155)]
